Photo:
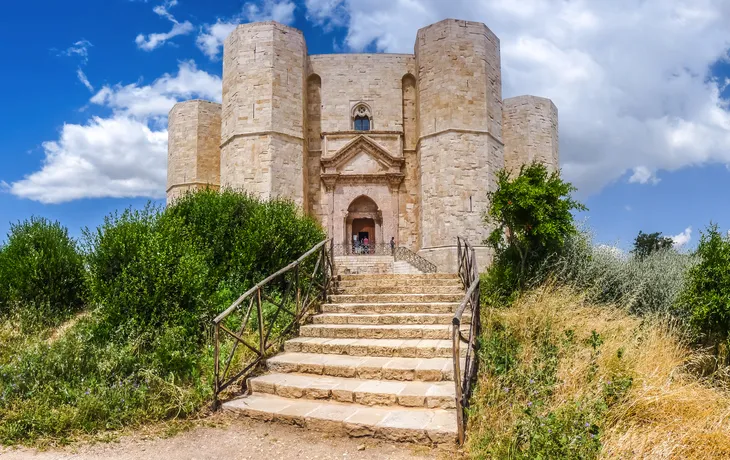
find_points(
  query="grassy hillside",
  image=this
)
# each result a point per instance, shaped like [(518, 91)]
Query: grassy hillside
[(565, 378)]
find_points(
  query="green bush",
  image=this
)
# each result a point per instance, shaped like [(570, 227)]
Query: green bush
[(707, 294), (644, 285), (147, 272), (531, 216), (245, 239), (41, 273), (156, 277)]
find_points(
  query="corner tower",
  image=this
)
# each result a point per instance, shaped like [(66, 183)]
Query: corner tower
[(530, 132), (193, 147), (460, 135), (262, 134)]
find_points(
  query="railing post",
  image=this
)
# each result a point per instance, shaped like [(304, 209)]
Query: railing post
[(216, 367), (324, 273), (262, 336), (456, 339), (296, 286)]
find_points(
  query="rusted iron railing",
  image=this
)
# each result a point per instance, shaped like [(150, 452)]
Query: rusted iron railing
[(464, 382), (294, 291)]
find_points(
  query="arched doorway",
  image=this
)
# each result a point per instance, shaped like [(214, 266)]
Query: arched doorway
[(363, 226)]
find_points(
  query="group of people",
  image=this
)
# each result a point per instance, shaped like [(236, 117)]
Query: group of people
[(363, 246)]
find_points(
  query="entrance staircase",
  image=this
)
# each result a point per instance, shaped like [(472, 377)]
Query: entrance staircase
[(377, 361)]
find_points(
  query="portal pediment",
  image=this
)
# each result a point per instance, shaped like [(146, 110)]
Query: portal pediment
[(362, 152), (362, 161)]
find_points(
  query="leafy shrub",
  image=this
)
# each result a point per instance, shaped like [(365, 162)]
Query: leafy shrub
[(245, 239), (147, 272), (531, 215), (156, 277), (707, 294), (41, 273), (644, 285)]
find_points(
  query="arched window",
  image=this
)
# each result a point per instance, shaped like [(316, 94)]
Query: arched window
[(362, 119), (362, 123)]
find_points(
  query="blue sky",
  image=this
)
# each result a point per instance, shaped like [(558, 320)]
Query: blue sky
[(641, 87)]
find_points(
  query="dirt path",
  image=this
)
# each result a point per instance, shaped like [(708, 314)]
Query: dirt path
[(236, 439)]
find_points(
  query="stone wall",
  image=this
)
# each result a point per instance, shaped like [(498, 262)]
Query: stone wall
[(193, 152), (263, 127), (530, 132), (371, 78), (460, 134)]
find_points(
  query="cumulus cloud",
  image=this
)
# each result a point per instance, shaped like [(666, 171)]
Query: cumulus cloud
[(114, 157), (211, 37), (124, 155), (156, 99), (151, 41), (683, 238), (631, 79)]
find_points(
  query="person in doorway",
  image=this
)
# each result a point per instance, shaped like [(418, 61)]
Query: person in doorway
[(392, 245), (354, 244), (365, 243)]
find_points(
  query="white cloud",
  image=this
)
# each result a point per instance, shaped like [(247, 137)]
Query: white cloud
[(210, 39), (156, 99), (124, 155), (83, 79), (279, 11), (683, 238), (152, 41), (210, 42), (630, 79), (114, 157), (80, 48), (643, 175)]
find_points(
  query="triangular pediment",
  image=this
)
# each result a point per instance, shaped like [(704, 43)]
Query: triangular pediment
[(364, 155)]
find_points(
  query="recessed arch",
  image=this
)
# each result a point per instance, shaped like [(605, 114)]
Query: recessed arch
[(363, 203)]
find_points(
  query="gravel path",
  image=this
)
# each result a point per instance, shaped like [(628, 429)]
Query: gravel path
[(239, 439)]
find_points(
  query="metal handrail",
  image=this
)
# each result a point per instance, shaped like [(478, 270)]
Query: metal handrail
[(298, 290), (469, 275), (426, 266)]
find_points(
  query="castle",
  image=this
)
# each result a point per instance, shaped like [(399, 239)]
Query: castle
[(402, 146)]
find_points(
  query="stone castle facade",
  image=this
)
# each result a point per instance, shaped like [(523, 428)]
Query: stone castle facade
[(402, 146)]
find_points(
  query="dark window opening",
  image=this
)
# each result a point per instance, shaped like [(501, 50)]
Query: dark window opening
[(362, 124)]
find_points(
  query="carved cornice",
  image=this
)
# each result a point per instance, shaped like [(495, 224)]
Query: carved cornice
[(369, 133)]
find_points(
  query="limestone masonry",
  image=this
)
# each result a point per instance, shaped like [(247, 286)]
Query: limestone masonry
[(382, 146)]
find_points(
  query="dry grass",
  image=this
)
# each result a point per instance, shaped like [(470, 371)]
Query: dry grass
[(667, 411)]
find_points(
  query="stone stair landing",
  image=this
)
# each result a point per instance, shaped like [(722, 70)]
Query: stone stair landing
[(376, 362)]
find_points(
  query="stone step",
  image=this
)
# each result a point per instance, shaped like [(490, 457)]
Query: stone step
[(358, 290), (402, 348), (388, 298), (419, 425), (367, 392), (387, 318), (403, 267), (378, 331), (424, 276), (393, 307), (363, 367), (395, 283)]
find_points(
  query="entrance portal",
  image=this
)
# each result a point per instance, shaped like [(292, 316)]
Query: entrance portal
[(363, 224)]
